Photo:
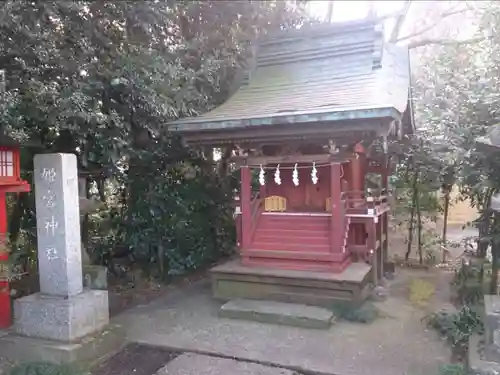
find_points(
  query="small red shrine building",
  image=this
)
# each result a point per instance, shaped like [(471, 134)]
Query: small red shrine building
[(310, 125)]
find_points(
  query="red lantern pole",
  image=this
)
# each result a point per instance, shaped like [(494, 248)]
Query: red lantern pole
[(5, 305), (10, 182)]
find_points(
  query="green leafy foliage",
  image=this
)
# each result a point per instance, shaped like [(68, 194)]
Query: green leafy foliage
[(182, 215), (102, 80), (452, 369), (366, 313), (42, 368), (468, 284), (456, 327)]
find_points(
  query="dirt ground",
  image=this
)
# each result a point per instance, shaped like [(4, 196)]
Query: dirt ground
[(135, 359)]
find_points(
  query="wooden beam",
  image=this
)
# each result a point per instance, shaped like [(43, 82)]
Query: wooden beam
[(342, 132), (286, 159)]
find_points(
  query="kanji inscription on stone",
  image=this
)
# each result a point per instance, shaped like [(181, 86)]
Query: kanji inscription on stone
[(58, 224)]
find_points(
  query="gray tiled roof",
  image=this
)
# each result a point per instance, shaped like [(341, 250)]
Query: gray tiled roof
[(322, 72)]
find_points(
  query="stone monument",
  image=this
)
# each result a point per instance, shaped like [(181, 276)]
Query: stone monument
[(484, 353), (63, 312), (484, 357)]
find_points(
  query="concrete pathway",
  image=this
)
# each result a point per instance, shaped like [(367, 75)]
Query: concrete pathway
[(396, 344)]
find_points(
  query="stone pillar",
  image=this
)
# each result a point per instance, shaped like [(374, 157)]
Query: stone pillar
[(63, 310), (492, 328)]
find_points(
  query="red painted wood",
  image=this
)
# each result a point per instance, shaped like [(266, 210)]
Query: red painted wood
[(295, 242), (306, 197), (358, 171), (312, 256), (337, 215), (294, 222), (298, 264), (299, 242), (246, 211), (22, 187), (13, 165), (302, 238), (300, 246), (5, 305)]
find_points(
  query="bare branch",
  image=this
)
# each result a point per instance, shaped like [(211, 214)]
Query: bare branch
[(399, 22), (433, 25), (443, 42)]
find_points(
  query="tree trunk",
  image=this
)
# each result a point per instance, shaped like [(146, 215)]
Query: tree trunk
[(419, 224), (483, 229), (495, 249), (445, 219), (412, 217), (84, 229), (15, 220)]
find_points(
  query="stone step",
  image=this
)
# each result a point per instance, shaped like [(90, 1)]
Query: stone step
[(197, 364), (290, 314)]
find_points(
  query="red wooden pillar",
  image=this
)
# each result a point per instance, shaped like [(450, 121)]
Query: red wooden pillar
[(358, 185), (246, 213), (336, 221), (5, 306), (358, 168)]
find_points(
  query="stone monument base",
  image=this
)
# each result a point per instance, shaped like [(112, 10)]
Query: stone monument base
[(85, 351), (476, 361), (65, 319)]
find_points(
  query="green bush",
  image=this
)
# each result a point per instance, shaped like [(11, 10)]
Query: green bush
[(452, 369), (456, 327), (467, 284), (366, 313), (42, 368), (179, 212)]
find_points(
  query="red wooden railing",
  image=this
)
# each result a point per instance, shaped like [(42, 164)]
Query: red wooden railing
[(256, 206), (359, 202)]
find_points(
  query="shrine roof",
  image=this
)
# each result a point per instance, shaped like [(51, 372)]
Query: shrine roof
[(317, 73)]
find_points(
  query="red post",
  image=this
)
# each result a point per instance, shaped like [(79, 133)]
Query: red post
[(5, 306), (245, 201), (358, 184), (337, 219)]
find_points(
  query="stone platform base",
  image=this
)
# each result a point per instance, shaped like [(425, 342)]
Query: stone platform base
[(231, 280), (290, 314), (478, 365), (85, 351), (60, 318)]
